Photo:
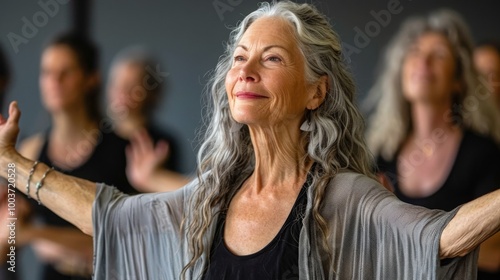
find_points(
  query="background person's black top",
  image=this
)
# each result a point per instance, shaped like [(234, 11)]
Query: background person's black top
[(277, 260), (107, 164), (475, 172)]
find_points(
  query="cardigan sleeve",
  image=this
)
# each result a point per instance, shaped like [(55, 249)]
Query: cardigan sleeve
[(138, 237), (376, 236)]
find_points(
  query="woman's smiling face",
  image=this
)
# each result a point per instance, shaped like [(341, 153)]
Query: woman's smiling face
[(266, 84)]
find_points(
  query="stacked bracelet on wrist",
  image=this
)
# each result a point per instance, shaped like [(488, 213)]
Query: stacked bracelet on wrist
[(40, 184), (29, 178)]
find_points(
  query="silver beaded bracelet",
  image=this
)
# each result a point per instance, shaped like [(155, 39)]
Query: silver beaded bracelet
[(40, 184), (29, 178)]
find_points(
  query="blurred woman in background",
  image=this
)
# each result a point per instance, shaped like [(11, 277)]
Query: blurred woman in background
[(434, 127), (77, 143), (133, 92), (487, 61)]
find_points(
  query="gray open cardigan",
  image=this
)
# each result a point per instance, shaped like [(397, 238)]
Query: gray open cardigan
[(372, 233)]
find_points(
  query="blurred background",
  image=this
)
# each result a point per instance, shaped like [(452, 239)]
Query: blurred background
[(188, 38)]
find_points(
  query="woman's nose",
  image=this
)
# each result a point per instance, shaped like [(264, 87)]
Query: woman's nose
[(249, 72)]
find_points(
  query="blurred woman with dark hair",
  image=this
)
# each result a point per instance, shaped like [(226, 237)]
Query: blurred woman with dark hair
[(76, 143)]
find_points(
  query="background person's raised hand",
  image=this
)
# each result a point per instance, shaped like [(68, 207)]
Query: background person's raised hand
[(144, 165), (144, 158)]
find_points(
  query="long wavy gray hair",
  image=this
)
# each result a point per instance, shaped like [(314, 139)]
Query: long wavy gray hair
[(472, 108), (336, 142)]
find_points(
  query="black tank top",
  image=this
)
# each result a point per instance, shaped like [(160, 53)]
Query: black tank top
[(277, 260), (106, 164), (473, 174)]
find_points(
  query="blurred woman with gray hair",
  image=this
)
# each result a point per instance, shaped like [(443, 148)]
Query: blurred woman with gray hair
[(133, 93), (434, 125)]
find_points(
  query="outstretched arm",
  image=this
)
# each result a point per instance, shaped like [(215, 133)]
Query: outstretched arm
[(69, 197), (475, 222)]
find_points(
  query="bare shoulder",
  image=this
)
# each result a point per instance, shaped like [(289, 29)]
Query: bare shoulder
[(30, 147)]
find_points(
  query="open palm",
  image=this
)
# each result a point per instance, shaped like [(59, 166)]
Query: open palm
[(144, 158)]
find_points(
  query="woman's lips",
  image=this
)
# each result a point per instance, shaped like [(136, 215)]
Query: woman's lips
[(249, 95)]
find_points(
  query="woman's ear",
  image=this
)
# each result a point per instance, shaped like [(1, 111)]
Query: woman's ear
[(319, 93)]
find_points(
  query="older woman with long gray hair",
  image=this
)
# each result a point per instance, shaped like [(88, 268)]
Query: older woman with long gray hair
[(285, 186), (435, 125)]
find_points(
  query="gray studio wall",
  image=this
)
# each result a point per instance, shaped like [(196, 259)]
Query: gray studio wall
[(188, 38)]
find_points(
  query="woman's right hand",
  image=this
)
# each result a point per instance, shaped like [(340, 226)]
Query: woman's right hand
[(9, 129)]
